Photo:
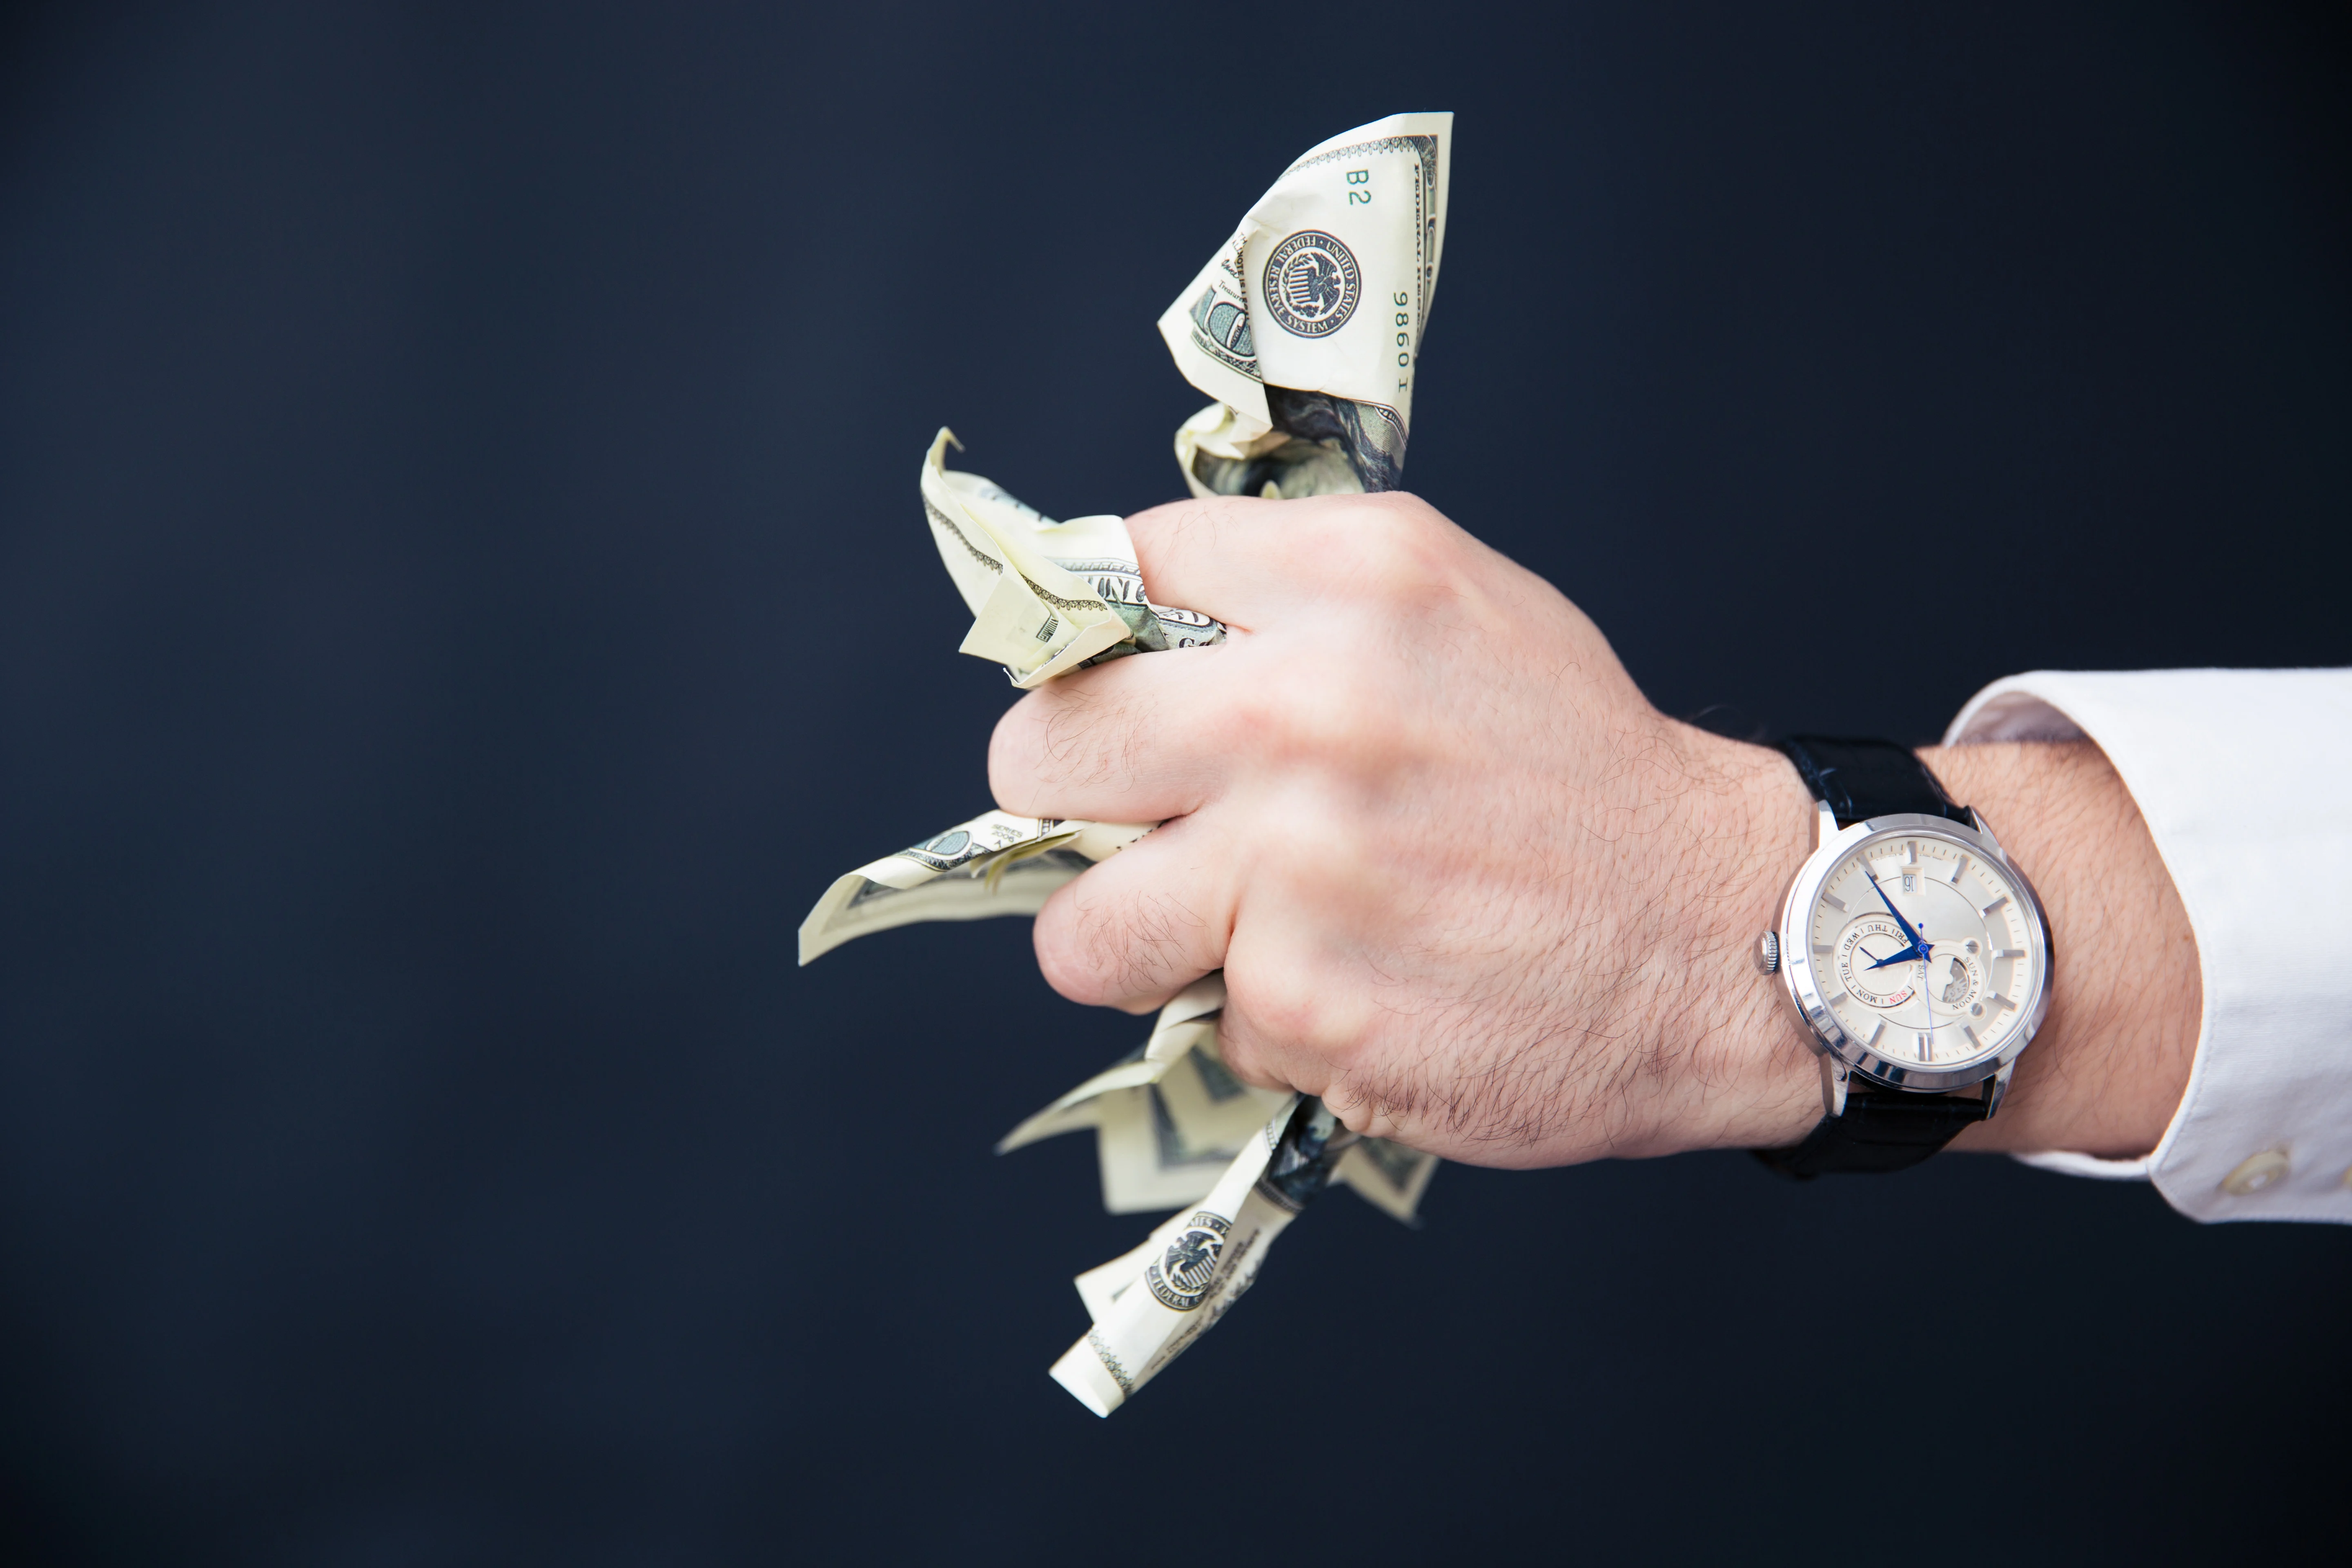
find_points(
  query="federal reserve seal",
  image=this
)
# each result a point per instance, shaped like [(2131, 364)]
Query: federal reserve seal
[(1181, 1276), (1312, 284)]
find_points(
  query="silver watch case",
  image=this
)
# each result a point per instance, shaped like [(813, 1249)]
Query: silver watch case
[(1843, 1055)]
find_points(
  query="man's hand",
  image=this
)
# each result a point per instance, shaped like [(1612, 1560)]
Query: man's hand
[(1466, 883)]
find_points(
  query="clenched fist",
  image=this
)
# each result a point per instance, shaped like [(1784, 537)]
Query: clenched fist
[(1466, 883)]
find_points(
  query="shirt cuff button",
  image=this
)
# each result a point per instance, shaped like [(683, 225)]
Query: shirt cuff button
[(2255, 1172)]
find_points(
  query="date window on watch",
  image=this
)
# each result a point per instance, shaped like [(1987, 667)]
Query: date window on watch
[(1910, 881)]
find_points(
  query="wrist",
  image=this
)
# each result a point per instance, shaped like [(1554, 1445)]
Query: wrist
[(1756, 1083), (2107, 1071)]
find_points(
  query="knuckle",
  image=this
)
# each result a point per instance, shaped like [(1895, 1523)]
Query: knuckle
[(1385, 1109), (1400, 549), (1281, 1015), (1119, 951), (1195, 523), (1334, 706), (1329, 857), (1089, 732), (1082, 732), (1264, 712), (1064, 956), (1243, 1056), (1013, 757), (1289, 1015), (1359, 1110)]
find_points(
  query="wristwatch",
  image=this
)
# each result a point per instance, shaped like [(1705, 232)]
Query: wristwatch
[(1915, 954)]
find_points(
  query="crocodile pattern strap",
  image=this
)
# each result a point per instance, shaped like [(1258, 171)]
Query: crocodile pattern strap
[(1881, 1131), (1863, 779)]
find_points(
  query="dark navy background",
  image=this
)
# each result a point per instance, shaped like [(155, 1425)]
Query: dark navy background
[(462, 596)]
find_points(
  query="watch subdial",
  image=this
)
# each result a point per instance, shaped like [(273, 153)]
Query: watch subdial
[(1871, 940), (1956, 982)]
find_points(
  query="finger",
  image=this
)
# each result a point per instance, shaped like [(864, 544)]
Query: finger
[(1141, 926), (1195, 555), (1142, 738), (1130, 741), (1291, 1019), (1246, 561)]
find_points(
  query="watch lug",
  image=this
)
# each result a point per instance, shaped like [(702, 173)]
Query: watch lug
[(1835, 1076), (1825, 825), (1991, 837), (1997, 1086)]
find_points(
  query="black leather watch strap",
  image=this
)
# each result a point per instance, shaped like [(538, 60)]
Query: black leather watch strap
[(1882, 1128), (1881, 1131), (1863, 779)]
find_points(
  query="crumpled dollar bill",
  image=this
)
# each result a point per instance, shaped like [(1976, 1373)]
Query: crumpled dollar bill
[(1305, 327)]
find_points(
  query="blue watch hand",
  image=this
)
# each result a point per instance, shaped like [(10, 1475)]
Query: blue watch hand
[(1902, 955), (1911, 935)]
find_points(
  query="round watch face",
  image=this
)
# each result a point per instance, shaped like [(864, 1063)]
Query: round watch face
[(1925, 949)]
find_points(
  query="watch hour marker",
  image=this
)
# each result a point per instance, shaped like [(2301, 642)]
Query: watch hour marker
[(1971, 1034), (1988, 909), (1822, 950), (1926, 1048), (1875, 1031), (1834, 902), (1998, 1000), (1959, 865), (2008, 953), (1910, 853), (1834, 998)]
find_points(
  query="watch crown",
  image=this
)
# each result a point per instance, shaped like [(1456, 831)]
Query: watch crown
[(1767, 952)]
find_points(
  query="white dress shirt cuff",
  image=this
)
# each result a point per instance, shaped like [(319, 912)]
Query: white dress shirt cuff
[(2244, 778)]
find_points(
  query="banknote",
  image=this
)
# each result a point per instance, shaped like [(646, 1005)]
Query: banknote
[(1150, 1304), (996, 864), (1387, 1176), (1165, 1144), (1046, 597), (1306, 326), (1187, 1022), (1166, 1120), (1315, 390), (1100, 1287), (1170, 1116)]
